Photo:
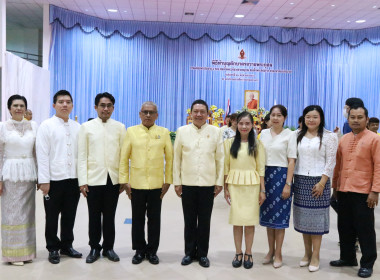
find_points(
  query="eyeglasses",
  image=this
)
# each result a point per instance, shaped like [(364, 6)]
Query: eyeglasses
[(103, 106), (149, 112)]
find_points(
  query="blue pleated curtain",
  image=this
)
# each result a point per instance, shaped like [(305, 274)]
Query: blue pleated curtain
[(151, 61)]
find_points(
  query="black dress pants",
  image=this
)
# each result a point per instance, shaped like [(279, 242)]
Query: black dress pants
[(197, 203), (146, 202), (64, 198), (102, 200), (356, 219)]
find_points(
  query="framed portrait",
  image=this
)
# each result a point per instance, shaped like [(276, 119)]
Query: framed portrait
[(252, 99)]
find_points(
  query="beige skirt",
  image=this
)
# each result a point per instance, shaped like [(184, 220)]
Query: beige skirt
[(245, 208)]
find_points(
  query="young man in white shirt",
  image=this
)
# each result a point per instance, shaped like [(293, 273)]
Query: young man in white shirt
[(99, 144), (56, 148), (198, 177)]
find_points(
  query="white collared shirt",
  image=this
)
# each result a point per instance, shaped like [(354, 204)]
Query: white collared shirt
[(56, 149)]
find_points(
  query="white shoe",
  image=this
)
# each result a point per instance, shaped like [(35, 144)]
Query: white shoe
[(304, 263), (313, 268), (267, 260), (17, 263), (277, 264)]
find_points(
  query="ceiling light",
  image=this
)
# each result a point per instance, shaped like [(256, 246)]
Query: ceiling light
[(254, 2), (275, 17), (360, 21), (348, 20), (313, 19), (332, 5), (288, 18), (124, 11), (239, 16), (189, 14), (292, 3), (163, 13), (202, 14), (374, 7), (112, 10), (86, 10)]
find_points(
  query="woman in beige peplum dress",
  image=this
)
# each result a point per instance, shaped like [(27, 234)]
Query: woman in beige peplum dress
[(244, 188)]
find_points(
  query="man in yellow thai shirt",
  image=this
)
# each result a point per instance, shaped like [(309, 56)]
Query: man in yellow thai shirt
[(145, 147)]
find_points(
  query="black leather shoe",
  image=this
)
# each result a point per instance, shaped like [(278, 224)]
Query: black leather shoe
[(71, 253), (152, 258), (249, 262), (236, 262), (186, 260), (340, 263), (111, 255), (365, 272), (204, 262), (54, 257), (138, 258), (93, 256)]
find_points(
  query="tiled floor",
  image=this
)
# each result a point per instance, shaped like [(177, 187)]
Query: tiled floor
[(171, 251)]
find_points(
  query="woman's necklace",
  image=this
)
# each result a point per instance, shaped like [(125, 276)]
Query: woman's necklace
[(21, 133)]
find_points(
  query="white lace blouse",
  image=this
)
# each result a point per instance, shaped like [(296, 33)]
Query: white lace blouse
[(17, 152), (313, 160)]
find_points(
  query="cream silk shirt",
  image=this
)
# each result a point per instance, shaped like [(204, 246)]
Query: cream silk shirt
[(146, 148), (99, 146), (198, 156), (56, 149), (357, 166)]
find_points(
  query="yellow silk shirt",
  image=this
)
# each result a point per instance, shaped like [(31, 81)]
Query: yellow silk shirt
[(245, 169), (198, 156), (99, 146), (146, 149)]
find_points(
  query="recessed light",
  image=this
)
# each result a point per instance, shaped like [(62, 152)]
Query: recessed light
[(112, 10), (292, 3), (125, 11), (332, 5), (163, 13), (348, 20), (313, 19), (275, 17), (374, 7), (202, 14), (86, 10), (239, 16), (360, 21)]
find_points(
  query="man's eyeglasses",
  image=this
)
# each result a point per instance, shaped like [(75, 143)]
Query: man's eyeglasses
[(103, 106), (149, 112)]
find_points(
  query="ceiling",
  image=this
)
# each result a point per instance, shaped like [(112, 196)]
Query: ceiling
[(331, 14)]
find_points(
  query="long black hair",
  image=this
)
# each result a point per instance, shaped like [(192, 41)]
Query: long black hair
[(251, 138), (303, 131)]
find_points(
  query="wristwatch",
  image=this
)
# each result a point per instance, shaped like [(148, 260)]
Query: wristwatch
[(289, 184)]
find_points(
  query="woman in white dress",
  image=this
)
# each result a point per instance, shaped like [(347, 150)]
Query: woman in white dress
[(315, 166), (18, 184)]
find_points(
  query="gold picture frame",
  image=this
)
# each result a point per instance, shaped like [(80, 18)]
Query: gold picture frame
[(252, 99)]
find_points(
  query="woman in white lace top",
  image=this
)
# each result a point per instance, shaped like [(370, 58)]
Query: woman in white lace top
[(316, 153), (18, 184)]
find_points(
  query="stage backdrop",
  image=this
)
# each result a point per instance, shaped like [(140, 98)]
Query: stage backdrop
[(173, 64)]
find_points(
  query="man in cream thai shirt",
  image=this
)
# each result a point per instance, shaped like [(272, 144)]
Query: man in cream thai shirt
[(99, 146), (56, 150), (145, 146), (198, 178)]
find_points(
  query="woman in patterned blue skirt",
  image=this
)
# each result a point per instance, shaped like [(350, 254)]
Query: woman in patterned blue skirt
[(315, 164), (280, 147)]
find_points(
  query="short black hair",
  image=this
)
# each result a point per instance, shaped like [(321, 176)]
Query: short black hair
[(17, 97), (199, 101), (300, 119), (282, 109), (358, 106), (61, 92), (354, 100), (104, 95), (373, 120)]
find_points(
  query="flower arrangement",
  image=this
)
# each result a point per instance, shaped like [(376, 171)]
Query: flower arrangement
[(216, 115)]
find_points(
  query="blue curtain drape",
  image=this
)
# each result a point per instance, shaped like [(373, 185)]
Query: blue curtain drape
[(137, 62)]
